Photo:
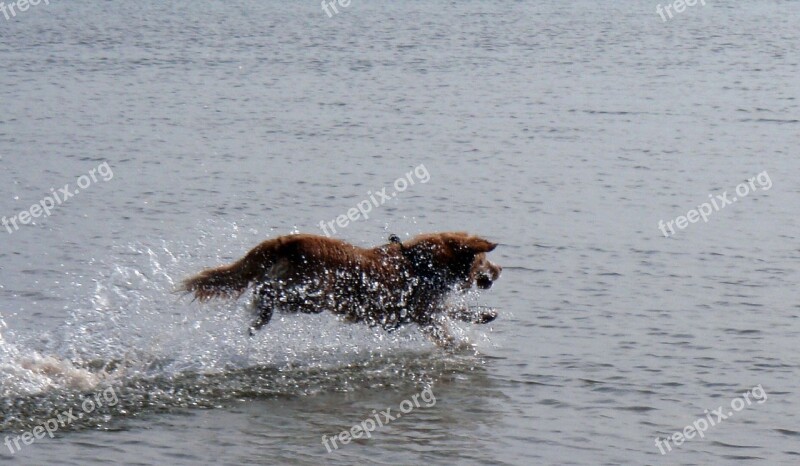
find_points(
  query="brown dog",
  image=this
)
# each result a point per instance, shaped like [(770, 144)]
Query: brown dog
[(390, 285)]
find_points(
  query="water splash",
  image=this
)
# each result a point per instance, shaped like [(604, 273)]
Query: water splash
[(162, 352)]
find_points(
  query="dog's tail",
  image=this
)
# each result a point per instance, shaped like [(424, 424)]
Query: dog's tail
[(229, 281)]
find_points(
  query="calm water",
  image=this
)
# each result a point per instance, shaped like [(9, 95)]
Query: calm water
[(564, 130)]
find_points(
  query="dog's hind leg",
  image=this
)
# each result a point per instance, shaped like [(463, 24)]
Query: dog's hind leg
[(264, 304), (262, 320)]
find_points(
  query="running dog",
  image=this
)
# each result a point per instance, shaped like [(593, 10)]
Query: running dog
[(390, 285)]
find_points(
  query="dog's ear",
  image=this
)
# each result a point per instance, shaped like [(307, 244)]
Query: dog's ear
[(475, 245), (479, 245)]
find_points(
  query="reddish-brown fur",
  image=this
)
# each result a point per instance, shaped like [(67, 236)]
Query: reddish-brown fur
[(389, 285)]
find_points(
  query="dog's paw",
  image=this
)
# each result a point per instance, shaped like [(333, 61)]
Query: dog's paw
[(485, 316)]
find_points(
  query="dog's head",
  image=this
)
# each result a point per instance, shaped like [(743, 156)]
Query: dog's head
[(484, 272), (447, 260)]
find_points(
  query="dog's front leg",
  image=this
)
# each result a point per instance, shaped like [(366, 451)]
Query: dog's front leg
[(439, 333), (481, 315)]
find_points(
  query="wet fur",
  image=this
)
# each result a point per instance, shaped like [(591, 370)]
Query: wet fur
[(389, 285)]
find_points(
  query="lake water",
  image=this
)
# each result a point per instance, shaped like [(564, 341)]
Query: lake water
[(566, 131)]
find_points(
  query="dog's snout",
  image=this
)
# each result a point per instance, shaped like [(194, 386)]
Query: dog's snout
[(484, 282), (484, 273)]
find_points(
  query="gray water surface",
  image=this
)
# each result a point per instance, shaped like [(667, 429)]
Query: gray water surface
[(565, 131)]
